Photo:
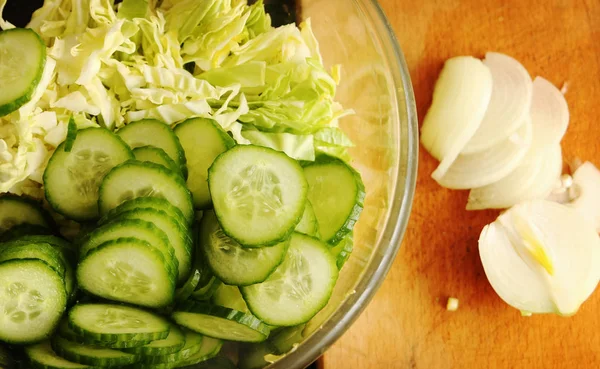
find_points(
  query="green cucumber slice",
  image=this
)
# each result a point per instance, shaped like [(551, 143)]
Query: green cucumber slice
[(16, 210), (156, 156), (184, 292), (42, 356), (193, 344), (343, 250), (147, 202), (127, 270), (113, 323), (22, 60), (65, 331), (91, 355), (234, 264), (308, 224), (32, 300), (230, 297), (174, 342), (135, 179), (299, 288), (57, 242), (71, 135), (71, 179), (337, 193), (15, 250), (202, 140), (258, 194), (210, 348), (151, 132), (220, 322), (205, 292)]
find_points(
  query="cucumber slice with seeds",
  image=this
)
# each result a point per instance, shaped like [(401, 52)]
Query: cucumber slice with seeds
[(193, 344), (299, 288), (109, 322), (258, 194), (210, 348), (91, 355), (22, 60), (202, 141), (151, 132), (32, 300), (308, 224), (127, 270), (336, 192), (42, 356), (156, 156), (147, 202), (220, 322), (65, 331), (16, 210), (234, 264), (136, 179), (72, 179), (174, 342)]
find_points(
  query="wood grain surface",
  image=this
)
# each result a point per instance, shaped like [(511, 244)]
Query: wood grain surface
[(407, 325)]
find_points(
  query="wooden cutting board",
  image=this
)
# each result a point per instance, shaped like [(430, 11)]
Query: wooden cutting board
[(407, 325)]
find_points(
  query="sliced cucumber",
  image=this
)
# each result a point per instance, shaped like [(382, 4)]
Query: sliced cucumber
[(308, 224), (57, 242), (202, 141), (234, 264), (147, 202), (65, 331), (220, 322), (16, 210), (127, 270), (156, 156), (142, 230), (91, 355), (205, 292), (142, 179), (174, 342), (337, 193), (230, 297), (178, 236), (71, 179), (342, 250), (71, 134), (24, 229), (209, 349), (258, 194), (112, 323), (193, 344), (42, 356), (151, 132), (299, 288), (22, 61), (17, 250), (184, 292), (32, 300)]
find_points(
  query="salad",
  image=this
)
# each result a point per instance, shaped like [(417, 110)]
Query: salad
[(173, 177)]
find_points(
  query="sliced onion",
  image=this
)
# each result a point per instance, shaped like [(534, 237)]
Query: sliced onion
[(461, 97), (509, 104), (586, 182), (549, 113), (541, 257), (487, 167)]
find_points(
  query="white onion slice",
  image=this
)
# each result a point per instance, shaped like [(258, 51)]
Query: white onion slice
[(509, 104), (487, 167), (461, 97), (586, 182), (541, 257), (549, 107)]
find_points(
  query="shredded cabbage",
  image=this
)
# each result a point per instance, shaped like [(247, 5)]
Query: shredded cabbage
[(110, 64)]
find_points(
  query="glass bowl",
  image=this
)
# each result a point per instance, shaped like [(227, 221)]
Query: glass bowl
[(376, 84)]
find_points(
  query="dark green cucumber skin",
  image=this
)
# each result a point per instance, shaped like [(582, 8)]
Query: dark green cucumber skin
[(143, 203), (59, 345), (35, 206)]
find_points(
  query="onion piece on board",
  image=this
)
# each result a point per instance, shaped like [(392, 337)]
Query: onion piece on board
[(510, 102), (586, 184), (549, 106)]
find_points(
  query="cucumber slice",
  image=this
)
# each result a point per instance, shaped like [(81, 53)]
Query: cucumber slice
[(42, 251), (205, 292), (22, 60), (24, 229), (202, 141), (230, 297), (174, 342), (151, 132), (57, 242), (184, 292), (234, 264), (142, 230), (71, 135), (220, 322), (210, 348), (336, 192), (113, 323), (127, 270), (32, 300), (71, 179), (342, 250), (91, 355), (16, 210), (178, 236), (258, 194), (136, 179), (65, 331), (299, 288), (147, 202), (42, 356), (308, 224), (156, 156), (193, 344)]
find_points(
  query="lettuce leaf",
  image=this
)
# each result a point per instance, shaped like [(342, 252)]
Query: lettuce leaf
[(300, 147)]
